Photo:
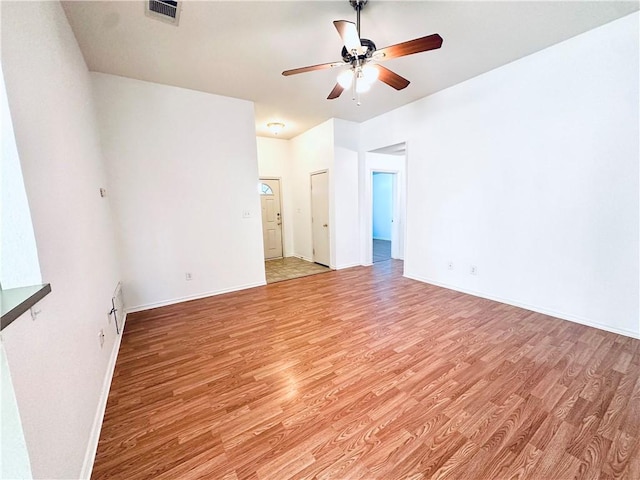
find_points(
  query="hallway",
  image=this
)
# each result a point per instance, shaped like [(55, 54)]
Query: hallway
[(381, 250)]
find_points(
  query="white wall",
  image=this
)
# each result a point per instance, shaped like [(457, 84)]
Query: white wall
[(311, 152), (346, 223), (274, 160), (346, 204), (19, 266), (183, 169), (530, 173), (56, 363)]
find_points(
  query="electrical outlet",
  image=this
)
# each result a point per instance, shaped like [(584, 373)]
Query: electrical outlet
[(473, 270), (187, 276), (103, 192), (246, 214), (101, 336), (450, 265)]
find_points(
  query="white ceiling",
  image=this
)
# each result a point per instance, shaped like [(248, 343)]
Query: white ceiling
[(239, 49)]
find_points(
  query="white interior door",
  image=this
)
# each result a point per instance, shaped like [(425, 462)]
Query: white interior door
[(320, 217), (271, 218)]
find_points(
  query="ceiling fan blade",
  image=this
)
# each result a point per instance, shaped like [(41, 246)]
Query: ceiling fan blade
[(417, 45), (391, 78), (311, 68), (335, 93), (349, 34)]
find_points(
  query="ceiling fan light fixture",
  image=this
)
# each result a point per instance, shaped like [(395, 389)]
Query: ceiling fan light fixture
[(345, 78), (370, 73), (275, 127)]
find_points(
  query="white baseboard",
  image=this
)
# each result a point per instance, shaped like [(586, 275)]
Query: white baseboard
[(148, 306), (94, 437), (302, 257), (533, 308), (346, 265)]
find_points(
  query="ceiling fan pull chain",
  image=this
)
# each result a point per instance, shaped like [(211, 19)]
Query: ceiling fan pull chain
[(353, 86)]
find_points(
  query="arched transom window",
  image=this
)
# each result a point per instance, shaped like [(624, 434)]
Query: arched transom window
[(265, 189)]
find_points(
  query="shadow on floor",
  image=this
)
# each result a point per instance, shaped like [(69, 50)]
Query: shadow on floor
[(291, 267)]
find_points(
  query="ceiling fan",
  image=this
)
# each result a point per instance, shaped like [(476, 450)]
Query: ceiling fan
[(362, 56)]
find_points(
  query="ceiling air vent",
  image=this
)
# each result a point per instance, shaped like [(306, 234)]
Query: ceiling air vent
[(165, 10)]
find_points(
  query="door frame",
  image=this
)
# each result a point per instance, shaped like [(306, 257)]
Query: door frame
[(279, 179), (398, 233), (330, 216), (395, 208)]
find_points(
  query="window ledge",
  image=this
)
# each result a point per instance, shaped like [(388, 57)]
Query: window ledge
[(16, 301)]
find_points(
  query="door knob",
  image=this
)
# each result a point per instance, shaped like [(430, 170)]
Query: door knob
[(325, 225)]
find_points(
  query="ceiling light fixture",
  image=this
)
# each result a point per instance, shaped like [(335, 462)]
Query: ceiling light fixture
[(361, 77), (345, 78), (275, 127)]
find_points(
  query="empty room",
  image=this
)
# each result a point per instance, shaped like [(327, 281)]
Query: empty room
[(320, 240)]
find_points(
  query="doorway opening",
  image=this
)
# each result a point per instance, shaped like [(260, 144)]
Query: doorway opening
[(382, 189), (277, 265), (384, 210)]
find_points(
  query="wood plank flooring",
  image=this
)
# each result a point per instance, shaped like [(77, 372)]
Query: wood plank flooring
[(362, 373)]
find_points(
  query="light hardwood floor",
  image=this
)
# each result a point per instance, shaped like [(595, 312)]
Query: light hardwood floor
[(362, 373)]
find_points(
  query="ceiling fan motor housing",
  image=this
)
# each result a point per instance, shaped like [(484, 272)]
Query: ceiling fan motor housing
[(370, 48)]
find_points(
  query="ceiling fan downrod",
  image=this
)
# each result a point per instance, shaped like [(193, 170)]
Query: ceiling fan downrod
[(358, 5)]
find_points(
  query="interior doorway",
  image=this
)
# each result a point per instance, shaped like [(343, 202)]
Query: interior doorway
[(382, 188), (320, 217), (271, 217), (387, 168)]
